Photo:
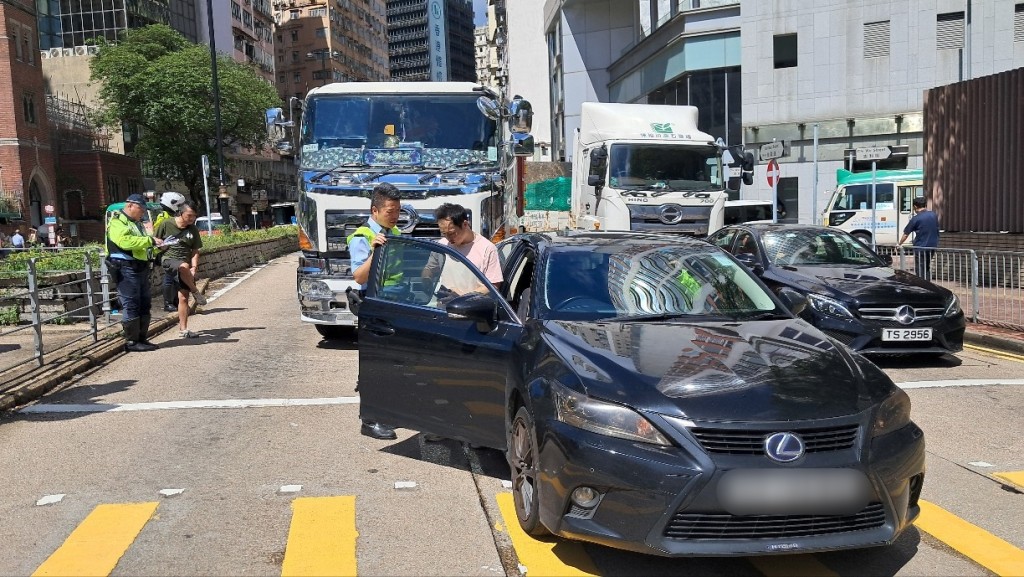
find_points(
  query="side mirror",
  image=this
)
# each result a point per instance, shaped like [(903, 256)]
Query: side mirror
[(520, 115), (598, 164), (522, 144), (793, 300), (476, 307), (595, 180), (489, 107), (751, 262)]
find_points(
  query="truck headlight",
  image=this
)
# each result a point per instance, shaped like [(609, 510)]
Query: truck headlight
[(603, 418), (953, 307), (315, 289), (828, 306)]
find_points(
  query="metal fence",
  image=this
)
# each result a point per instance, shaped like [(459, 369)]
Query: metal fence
[(988, 283), (50, 307)]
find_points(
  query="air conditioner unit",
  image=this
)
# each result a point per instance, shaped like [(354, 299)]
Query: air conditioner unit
[(81, 50), (54, 52), (67, 51)]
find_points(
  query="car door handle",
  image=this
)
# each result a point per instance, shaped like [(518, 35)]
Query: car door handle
[(380, 329)]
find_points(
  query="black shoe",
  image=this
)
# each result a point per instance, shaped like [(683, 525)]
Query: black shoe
[(171, 308), (378, 431), (136, 347), (151, 346)]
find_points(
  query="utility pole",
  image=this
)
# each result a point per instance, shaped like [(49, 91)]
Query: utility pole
[(222, 191)]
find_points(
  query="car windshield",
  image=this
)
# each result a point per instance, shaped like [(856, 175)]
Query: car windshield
[(664, 166), (817, 247), (636, 279)]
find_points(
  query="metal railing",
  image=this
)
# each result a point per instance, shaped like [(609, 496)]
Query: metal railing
[(63, 307), (988, 283)]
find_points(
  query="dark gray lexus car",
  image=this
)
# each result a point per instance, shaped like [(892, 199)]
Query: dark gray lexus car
[(650, 394)]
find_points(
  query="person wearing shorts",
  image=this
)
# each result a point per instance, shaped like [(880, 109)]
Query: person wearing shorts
[(182, 259)]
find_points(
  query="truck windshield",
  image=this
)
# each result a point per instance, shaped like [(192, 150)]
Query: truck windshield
[(431, 130), (664, 166)]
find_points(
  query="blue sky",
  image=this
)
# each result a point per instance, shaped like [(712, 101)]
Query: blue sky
[(479, 12)]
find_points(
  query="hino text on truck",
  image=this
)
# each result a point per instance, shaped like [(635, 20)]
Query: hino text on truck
[(437, 142), (648, 168)]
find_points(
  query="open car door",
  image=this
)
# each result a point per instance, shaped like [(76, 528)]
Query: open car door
[(433, 352)]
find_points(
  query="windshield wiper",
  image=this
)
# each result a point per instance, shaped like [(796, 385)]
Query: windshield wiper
[(453, 167), (648, 317), (337, 168)]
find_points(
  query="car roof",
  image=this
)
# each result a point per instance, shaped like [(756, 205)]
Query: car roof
[(763, 227)]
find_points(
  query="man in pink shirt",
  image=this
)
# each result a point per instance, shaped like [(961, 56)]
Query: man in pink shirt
[(453, 221)]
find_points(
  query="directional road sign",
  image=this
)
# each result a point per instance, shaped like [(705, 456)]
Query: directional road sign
[(873, 153), (772, 150), (772, 172)]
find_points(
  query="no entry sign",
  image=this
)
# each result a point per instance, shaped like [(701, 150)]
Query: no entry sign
[(773, 172)]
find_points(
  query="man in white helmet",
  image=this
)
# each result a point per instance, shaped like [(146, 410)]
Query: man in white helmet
[(172, 203)]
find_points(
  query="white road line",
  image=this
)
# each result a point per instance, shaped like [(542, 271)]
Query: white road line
[(238, 281), (206, 404), (962, 383)]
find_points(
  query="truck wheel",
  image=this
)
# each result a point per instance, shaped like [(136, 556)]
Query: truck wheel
[(863, 237), (334, 332)]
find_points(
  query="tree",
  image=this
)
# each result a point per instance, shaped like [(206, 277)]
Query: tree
[(154, 78)]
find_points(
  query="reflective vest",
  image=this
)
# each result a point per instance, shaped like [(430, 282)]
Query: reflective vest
[(393, 268), (127, 237)]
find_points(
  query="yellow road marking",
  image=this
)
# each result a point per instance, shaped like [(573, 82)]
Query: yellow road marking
[(1013, 478), (791, 566), (322, 537), (996, 352), (979, 545), (550, 557), (99, 541)]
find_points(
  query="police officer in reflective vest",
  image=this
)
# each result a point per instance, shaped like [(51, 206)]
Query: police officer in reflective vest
[(385, 205), (129, 258)]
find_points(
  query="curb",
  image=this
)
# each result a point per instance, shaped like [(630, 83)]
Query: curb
[(41, 381), (994, 342)]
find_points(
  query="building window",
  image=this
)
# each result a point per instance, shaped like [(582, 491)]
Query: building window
[(949, 31), (114, 189), (1018, 23), (785, 50), (26, 37), (297, 77), (876, 39), (295, 56), (295, 35), (16, 40), (295, 14), (28, 101), (236, 11), (280, 78), (321, 33), (318, 12)]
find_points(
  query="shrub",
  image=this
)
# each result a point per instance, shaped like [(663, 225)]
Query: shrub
[(9, 315)]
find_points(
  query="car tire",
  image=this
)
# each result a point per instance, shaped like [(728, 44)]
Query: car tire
[(523, 458), (334, 332)]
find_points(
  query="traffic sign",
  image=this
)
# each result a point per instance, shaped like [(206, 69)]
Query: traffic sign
[(206, 166), (772, 172), (873, 152), (49, 209), (772, 150)]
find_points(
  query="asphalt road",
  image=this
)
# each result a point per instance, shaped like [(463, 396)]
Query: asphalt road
[(263, 483)]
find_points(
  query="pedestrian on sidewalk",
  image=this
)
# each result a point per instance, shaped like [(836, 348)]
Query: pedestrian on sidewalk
[(129, 258), (925, 225), (385, 207), (18, 240), (181, 259)]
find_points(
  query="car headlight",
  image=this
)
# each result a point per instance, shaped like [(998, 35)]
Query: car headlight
[(894, 414), (953, 307), (603, 418), (828, 306)]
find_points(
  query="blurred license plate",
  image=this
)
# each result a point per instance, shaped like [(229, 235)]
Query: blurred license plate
[(793, 491), (906, 334)]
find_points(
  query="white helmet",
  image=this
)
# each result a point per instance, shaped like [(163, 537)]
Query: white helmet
[(172, 201)]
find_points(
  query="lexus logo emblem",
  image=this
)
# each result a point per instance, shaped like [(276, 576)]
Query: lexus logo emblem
[(670, 213), (784, 447), (905, 315)]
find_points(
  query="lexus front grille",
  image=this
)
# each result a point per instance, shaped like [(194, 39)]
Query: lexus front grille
[(751, 442), (725, 526)]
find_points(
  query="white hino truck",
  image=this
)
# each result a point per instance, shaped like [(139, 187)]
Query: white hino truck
[(437, 142), (647, 167)]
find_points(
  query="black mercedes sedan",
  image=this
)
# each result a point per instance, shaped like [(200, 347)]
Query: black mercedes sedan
[(854, 296), (649, 393)]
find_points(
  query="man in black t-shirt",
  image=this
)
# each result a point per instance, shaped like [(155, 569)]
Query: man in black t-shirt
[(182, 258)]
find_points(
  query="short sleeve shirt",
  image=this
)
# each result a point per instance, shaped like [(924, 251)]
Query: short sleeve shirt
[(926, 225), (189, 240), (483, 255)]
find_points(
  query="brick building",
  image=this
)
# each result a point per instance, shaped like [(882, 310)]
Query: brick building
[(27, 176)]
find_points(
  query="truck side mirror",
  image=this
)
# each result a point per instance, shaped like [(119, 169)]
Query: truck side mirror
[(520, 115), (522, 144), (598, 164)]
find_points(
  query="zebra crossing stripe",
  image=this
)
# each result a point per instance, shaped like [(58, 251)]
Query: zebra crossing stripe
[(539, 556), (1014, 478), (977, 544), (99, 541), (322, 537)]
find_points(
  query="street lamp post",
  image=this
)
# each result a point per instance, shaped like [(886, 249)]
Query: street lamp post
[(216, 98)]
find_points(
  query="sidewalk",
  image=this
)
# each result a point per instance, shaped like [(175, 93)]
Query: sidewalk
[(993, 337)]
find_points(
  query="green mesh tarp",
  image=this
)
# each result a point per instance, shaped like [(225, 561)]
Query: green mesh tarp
[(551, 194)]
